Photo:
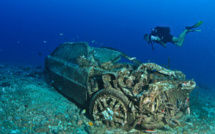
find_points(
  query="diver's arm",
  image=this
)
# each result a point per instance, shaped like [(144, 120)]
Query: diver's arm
[(155, 38)]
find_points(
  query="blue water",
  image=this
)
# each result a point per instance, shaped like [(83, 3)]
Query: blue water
[(31, 29)]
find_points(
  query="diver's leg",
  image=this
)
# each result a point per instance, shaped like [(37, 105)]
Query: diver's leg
[(180, 40)]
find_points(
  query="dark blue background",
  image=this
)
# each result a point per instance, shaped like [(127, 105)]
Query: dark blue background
[(26, 24)]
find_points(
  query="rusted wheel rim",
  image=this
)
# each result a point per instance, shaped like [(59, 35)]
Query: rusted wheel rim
[(111, 110)]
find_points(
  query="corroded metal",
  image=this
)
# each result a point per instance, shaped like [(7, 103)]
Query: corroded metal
[(111, 110), (156, 92), (121, 94)]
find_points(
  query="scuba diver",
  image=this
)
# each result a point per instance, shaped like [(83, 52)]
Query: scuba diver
[(162, 35)]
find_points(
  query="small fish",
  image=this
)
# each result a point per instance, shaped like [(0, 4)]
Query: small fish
[(90, 123), (187, 100), (150, 131), (132, 58), (61, 34)]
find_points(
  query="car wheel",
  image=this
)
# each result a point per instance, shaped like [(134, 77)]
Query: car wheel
[(110, 107)]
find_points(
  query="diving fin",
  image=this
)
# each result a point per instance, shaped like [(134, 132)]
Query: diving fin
[(196, 25), (199, 30)]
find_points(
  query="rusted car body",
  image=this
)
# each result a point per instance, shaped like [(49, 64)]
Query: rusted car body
[(120, 94)]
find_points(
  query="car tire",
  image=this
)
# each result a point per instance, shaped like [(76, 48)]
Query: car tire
[(110, 106)]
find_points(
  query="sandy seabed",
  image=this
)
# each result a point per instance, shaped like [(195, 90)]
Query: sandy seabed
[(30, 105)]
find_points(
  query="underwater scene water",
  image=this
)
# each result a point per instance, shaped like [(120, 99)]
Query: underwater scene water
[(41, 91)]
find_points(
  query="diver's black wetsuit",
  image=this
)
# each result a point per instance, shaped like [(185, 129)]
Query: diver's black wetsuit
[(163, 33)]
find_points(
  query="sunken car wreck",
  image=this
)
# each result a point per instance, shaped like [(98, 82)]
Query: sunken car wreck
[(120, 94)]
